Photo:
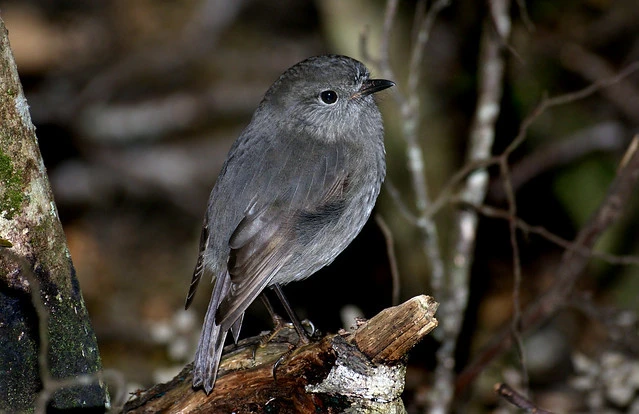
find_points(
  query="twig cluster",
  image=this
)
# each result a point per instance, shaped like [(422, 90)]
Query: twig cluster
[(468, 188)]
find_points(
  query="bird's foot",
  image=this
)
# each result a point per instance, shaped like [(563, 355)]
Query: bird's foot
[(309, 329), (278, 325), (312, 334), (291, 349)]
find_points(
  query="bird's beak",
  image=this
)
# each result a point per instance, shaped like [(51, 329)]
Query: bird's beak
[(371, 86)]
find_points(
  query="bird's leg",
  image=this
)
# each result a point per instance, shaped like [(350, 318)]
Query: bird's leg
[(278, 322), (291, 314)]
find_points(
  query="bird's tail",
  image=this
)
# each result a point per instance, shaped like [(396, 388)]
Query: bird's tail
[(209, 349)]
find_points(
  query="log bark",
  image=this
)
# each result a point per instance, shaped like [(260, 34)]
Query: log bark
[(359, 372), (45, 332)]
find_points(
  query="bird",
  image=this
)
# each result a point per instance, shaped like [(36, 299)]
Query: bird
[(297, 186)]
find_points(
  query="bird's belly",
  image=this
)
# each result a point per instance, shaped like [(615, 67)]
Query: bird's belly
[(329, 242)]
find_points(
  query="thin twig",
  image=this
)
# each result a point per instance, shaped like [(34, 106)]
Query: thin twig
[(509, 394), (399, 203), (501, 18), (392, 258), (49, 384), (545, 104), (621, 324), (525, 17), (624, 95), (493, 212), (571, 266), (515, 326), (607, 136), (548, 103)]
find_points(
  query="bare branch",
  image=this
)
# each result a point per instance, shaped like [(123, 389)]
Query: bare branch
[(548, 103), (471, 182), (515, 326), (571, 266), (607, 136), (409, 108), (525, 17), (509, 394), (545, 104), (624, 95), (455, 291), (392, 258), (399, 203), (493, 212)]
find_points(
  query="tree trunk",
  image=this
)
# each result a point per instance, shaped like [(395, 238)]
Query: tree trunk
[(45, 332)]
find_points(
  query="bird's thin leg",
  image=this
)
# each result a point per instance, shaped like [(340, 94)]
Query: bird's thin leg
[(278, 321), (291, 314)]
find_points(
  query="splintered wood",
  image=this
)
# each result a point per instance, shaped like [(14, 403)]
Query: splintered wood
[(389, 335)]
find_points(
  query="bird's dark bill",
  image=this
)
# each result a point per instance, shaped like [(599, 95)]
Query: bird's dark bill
[(374, 85)]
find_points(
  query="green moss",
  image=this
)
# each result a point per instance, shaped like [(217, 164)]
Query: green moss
[(11, 195)]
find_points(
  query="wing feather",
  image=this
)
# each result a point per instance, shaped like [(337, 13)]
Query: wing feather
[(303, 196), (199, 267), (260, 247)]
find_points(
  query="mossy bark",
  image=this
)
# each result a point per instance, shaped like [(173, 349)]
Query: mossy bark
[(38, 285)]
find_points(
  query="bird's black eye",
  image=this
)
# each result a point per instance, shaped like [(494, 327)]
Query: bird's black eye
[(328, 97)]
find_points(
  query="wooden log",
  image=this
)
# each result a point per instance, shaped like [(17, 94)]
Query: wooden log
[(358, 372)]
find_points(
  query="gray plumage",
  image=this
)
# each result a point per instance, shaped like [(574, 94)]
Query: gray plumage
[(296, 188)]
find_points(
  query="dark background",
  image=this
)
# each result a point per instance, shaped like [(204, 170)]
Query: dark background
[(137, 102)]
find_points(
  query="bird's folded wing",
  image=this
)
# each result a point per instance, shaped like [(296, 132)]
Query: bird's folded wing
[(299, 191), (270, 236), (260, 246)]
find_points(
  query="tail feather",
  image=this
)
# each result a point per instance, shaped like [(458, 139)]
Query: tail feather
[(235, 328), (209, 349), (209, 353)]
